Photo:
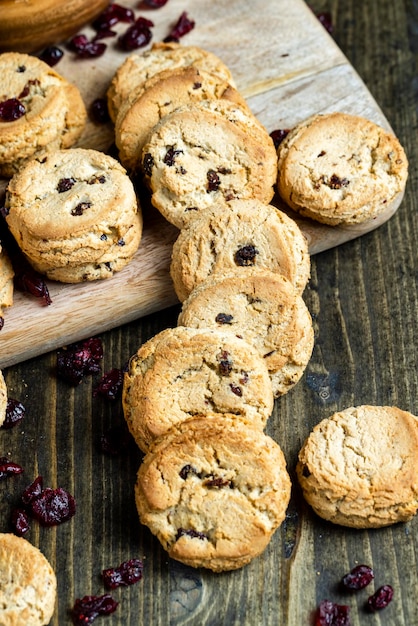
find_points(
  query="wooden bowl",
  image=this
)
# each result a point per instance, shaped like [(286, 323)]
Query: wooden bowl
[(31, 25)]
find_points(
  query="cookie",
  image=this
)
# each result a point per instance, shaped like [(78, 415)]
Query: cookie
[(246, 234), (27, 583), (206, 153), (340, 169), (6, 281), (183, 372), (74, 214), (160, 95), (358, 468), (138, 68), (213, 492), (3, 398), (40, 111), (265, 310)]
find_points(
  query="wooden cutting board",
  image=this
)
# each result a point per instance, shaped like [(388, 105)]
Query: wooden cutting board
[(286, 65)]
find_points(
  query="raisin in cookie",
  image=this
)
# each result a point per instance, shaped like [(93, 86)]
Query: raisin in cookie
[(27, 583), (210, 152), (138, 68), (74, 214), (160, 95), (359, 467), (213, 491), (6, 282), (183, 372), (264, 309), (341, 169), (246, 234), (41, 111), (3, 398)]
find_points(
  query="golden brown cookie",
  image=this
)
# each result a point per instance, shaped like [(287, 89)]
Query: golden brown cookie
[(208, 153), (183, 372), (27, 584), (340, 169), (3, 398), (138, 68), (74, 214), (6, 281), (359, 467), (265, 310), (213, 491), (246, 234), (48, 112)]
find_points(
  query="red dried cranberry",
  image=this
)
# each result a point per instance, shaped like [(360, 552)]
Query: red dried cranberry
[(8, 468), (278, 136), (186, 470), (15, 412), (381, 598), (236, 390), (11, 110), (359, 577), (213, 181), (154, 4), (33, 491), (86, 609), (99, 111), (217, 481), (224, 318), (113, 14), (245, 256), (86, 49), (115, 440), (79, 360), (65, 184), (80, 208), (20, 522), (190, 533), (53, 507), (31, 282), (127, 573), (170, 156), (51, 55), (183, 26), (136, 36), (26, 89), (110, 384), (225, 363), (148, 163), (326, 20), (332, 614)]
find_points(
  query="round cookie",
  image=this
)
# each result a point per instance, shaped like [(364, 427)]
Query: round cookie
[(6, 282), (358, 468), (3, 398), (264, 309), (183, 372), (340, 169), (213, 491), (74, 214), (54, 112), (206, 153), (138, 68), (159, 96), (246, 234), (27, 583)]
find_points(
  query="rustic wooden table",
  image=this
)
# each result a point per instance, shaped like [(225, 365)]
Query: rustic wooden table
[(363, 299)]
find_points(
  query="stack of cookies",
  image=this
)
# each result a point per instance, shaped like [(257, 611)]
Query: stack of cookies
[(213, 486)]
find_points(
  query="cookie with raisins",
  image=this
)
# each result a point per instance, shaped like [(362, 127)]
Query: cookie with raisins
[(28, 584), (341, 169), (247, 234), (213, 491), (265, 309), (74, 214), (208, 153), (138, 68), (358, 468), (40, 111), (6, 282), (159, 96), (3, 398), (183, 372)]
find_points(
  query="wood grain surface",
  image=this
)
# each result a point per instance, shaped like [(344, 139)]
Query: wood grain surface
[(287, 66), (363, 298)]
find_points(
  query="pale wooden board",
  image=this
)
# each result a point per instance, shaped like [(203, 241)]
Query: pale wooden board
[(285, 64)]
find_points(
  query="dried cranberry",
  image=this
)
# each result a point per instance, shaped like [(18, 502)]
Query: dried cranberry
[(33, 491), (20, 522), (115, 440), (186, 470), (213, 181), (381, 598), (8, 468), (224, 318), (65, 184), (170, 156), (326, 20), (332, 614), (155, 4), (217, 481), (190, 533), (26, 89), (359, 577), (80, 208), (99, 111), (86, 49), (15, 412), (53, 507), (236, 390), (148, 163), (183, 26), (113, 14), (79, 360), (33, 283), (136, 36), (225, 363), (86, 609), (51, 55), (110, 384), (11, 110), (337, 183), (278, 136), (245, 256), (127, 573)]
